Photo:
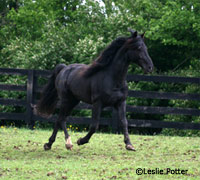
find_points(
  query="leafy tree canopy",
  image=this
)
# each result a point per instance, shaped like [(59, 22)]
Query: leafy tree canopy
[(42, 33)]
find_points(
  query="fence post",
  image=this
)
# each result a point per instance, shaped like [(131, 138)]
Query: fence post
[(29, 98), (115, 121)]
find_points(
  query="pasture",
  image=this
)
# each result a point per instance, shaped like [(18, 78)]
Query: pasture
[(105, 157)]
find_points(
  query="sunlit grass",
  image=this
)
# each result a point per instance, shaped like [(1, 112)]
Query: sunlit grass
[(22, 156)]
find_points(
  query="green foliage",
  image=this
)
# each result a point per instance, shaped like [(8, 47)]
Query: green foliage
[(87, 48), (51, 49), (172, 29), (42, 33)]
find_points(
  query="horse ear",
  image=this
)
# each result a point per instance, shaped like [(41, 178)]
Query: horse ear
[(133, 33), (142, 35)]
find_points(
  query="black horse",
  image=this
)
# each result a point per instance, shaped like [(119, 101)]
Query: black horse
[(102, 83)]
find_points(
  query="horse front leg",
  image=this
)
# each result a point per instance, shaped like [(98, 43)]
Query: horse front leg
[(121, 108), (96, 111)]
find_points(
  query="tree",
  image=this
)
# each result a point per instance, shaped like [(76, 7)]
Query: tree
[(39, 34), (172, 28)]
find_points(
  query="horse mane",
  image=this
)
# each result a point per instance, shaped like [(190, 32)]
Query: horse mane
[(105, 57)]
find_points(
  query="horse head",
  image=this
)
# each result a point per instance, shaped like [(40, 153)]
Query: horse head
[(137, 51)]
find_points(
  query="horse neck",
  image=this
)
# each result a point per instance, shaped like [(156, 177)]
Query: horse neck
[(119, 66)]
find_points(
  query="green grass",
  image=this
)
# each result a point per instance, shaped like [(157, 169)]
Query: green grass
[(22, 156)]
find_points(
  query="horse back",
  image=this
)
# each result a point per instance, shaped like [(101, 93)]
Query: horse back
[(71, 81)]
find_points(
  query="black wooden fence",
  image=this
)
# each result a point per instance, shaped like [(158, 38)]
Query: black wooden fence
[(32, 87)]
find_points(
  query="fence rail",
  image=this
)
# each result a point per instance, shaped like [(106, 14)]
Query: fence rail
[(31, 87)]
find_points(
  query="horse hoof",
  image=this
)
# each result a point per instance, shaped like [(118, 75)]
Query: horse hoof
[(82, 141), (47, 147), (130, 147), (79, 142), (68, 143), (69, 146)]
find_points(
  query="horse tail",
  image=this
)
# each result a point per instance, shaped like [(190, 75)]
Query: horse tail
[(49, 97)]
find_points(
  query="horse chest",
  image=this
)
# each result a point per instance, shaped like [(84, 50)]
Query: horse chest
[(115, 96)]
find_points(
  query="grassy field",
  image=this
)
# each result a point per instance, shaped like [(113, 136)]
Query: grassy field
[(22, 157)]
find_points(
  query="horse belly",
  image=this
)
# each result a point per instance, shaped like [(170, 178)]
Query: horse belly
[(80, 88)]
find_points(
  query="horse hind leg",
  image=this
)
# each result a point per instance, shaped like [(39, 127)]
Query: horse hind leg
[(66, 107), (65, 110), (68, 142), (47, 146)]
